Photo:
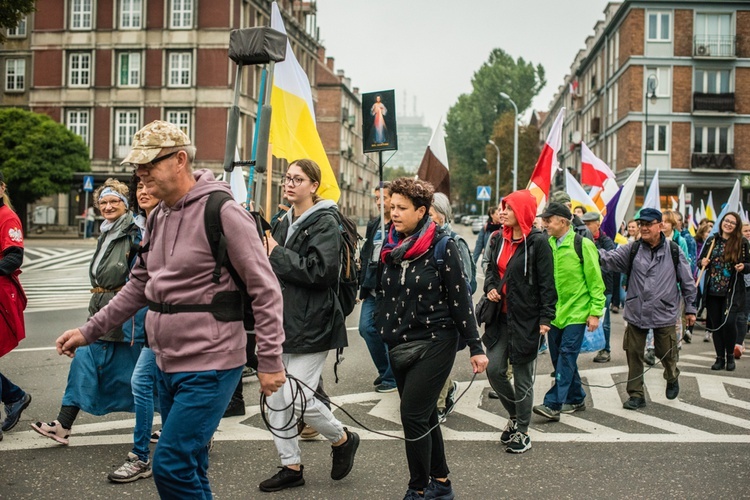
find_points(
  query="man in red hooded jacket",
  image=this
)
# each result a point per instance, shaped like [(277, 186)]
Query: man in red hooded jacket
[(520, 279)]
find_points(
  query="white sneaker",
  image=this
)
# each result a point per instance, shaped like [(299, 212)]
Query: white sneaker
[(132, 470)]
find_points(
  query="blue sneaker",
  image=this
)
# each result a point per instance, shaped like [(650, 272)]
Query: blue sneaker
[(439, 491), (13, 411), (412, 495)]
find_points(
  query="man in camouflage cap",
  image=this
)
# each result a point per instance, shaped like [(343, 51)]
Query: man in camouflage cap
[(199, 342)]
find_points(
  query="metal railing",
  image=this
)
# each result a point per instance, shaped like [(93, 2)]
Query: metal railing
[(712, 161), (714, 46), (713, 102)]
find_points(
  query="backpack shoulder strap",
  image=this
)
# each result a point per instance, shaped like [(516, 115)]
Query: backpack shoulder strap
[(578, 245), (633, 251), (215, 233), (675, 250), (439, 253)]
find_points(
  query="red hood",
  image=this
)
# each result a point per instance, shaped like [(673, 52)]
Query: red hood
[(524, 205)]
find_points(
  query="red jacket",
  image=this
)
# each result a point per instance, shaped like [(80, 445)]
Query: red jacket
[(12, 297)]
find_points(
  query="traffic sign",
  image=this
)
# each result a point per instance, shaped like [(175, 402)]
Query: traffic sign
[(88, 183), (484, 193)]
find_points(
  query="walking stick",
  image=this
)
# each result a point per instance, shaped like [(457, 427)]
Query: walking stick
[(703, 269)]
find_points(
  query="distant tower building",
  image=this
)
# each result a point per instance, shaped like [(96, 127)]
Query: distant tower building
[(413, 137)]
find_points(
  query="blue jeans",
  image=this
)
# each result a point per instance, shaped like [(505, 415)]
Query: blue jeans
[(143, 382), (564, 346), (192, 404), (606, 325), (378, 350), (9, 392)]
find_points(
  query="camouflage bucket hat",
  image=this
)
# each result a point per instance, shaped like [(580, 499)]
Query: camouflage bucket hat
[(152, 138)]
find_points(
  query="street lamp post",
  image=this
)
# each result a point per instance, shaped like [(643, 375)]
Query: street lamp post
[(497, 174), (651, 84), (515, 141)]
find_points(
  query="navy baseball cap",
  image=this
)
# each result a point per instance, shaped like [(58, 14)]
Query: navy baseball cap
[(649, 215)]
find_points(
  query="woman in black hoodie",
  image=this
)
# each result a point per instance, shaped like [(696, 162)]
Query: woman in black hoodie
[(520, 280)]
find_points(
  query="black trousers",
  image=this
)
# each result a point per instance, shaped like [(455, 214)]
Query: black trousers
[(723, 324), (419, 386)]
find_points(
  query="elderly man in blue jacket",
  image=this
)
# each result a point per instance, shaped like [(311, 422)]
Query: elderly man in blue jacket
[(655, 288)]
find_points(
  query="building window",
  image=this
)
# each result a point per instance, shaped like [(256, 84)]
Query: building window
[(714, 35), (656, 138), (181, 118), (711, 140), (19, 31), (15, 75), (181, 14), (663, 80), (713, 81), (80, 14), (126, 125), (658, 26), (79, 70), (129, 74), (79, 122), (180, 69), (130, 14)]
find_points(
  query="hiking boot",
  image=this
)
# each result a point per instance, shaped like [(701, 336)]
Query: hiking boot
[(53, 430), (519, 443), (236, 408), (438, 490), (450, 398), (547, 412), (650, 357), (285, 478), (673, 389), (718, 365), (132, 470), (739, 349), (13, 412), (634, 403), (382, 388), (573, 407), (602, 357), (730, 364), (155, 436), (510, 428), (248, 372), (343, 456), (308, 432)]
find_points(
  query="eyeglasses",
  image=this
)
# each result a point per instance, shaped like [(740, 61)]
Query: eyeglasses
[(114, 203), (294, 181), (153, 162), (731, 223), (643, 223)]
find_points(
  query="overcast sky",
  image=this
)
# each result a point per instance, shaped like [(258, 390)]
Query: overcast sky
[(431, 48)]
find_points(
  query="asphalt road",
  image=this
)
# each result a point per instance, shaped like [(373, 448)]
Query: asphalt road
[(693, 447)]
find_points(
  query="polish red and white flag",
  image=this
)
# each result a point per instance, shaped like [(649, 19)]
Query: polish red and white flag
[(547, 164), (594, 172)]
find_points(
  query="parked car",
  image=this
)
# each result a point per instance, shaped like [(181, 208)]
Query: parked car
[(478, 224), (466, 220)]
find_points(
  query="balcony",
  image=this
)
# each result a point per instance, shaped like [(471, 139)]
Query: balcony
[(721, 103), (712, 161), (714, 46)]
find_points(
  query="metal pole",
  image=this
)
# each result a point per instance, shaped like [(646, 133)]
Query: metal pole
[(86, 214), (515, 141), (382, 197), (645, 156), (266, 99), (497, 174)]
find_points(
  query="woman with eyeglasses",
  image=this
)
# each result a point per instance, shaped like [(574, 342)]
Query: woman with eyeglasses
[(304, 254), (724, 256), (99, 376)]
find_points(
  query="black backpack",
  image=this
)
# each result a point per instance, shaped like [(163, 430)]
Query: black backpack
[(674, 249), (348, 284)]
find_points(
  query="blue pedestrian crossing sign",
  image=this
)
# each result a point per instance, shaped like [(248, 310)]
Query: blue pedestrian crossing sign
[(88, 183), (484, 193)]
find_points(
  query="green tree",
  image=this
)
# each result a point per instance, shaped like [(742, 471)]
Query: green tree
[(471, 120), (11, 12), (38, 156), (529, 147), (391, 173)]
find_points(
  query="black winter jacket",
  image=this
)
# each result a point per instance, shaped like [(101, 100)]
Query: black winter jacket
[(308, 268), (736, 291), (531, 294), (423, 301), (368, 277)]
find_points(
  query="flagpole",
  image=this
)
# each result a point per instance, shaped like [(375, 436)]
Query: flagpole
[(382, 197)]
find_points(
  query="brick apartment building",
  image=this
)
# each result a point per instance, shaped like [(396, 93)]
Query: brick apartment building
[(691, 122), (105, 68)]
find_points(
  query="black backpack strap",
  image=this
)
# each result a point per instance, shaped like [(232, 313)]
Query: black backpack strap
[(633, 251), (675, 250), (578, 245), (214, 232)]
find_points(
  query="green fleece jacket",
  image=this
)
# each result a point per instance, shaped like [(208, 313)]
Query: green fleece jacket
[(580, 289)]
